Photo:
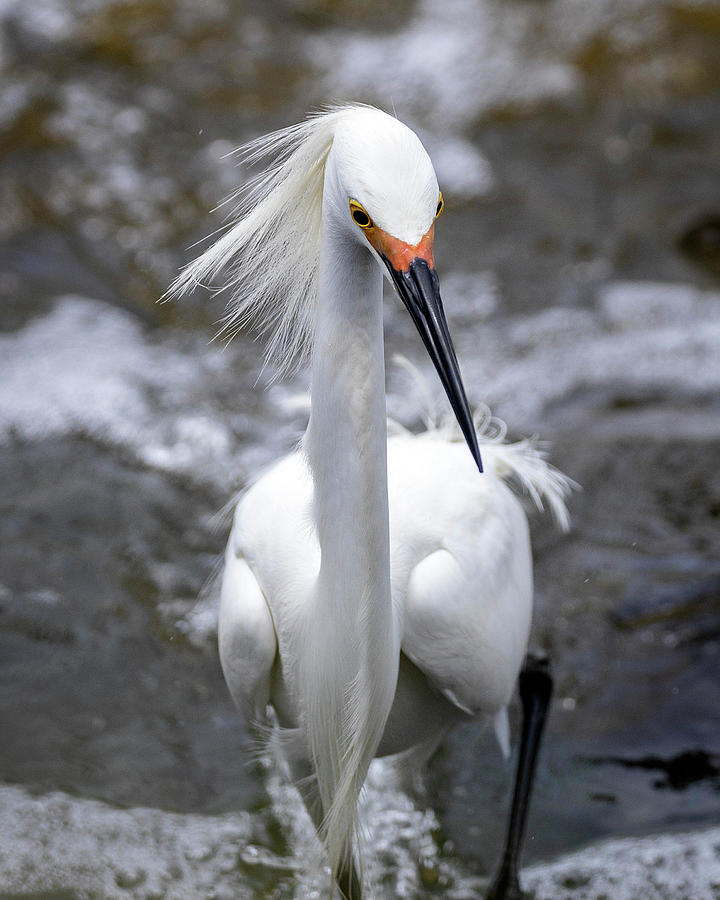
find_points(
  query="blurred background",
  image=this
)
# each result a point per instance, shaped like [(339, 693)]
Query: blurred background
[(577, 146)]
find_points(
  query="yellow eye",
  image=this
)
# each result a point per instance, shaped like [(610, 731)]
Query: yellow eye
[(359, 216), (440, 206)]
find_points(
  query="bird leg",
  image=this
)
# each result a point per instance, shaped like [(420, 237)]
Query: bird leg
[(536, 688)]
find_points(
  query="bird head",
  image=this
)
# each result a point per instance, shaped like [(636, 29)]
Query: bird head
[(383, 194), (389, 198)]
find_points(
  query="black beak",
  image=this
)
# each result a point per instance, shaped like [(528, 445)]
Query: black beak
[(419, 290)]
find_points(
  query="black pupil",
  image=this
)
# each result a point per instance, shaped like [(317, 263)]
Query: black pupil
[(361, 218), (437, 212)]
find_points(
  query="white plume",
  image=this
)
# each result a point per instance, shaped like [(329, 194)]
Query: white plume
[(271, 253)]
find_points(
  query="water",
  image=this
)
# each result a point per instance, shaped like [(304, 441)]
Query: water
[(575, 145)]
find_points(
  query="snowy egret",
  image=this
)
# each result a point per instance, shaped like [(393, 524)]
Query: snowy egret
[(375, 591)]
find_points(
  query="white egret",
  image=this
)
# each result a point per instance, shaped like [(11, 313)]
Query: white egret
[(375, 592)]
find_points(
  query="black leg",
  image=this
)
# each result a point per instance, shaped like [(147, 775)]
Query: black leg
[(536, 688), (349, 882)]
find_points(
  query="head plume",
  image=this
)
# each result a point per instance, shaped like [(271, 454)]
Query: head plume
[(270, 254)]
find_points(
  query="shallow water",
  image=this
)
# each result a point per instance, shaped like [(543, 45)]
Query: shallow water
[(576, 148)]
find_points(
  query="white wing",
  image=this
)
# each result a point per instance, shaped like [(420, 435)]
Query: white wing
[(271, 559), (461, 569), (246, 638), (468, 641)]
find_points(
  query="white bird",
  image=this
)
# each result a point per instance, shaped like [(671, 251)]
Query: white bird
[(375, 591)]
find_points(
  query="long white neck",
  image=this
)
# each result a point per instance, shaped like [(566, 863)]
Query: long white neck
[(355, 639), (347, 436)]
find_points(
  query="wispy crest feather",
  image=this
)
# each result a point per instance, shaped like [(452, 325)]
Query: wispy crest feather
[(270, 255)]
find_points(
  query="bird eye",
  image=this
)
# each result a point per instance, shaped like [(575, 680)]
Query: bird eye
[(440, 206), (359, 216)]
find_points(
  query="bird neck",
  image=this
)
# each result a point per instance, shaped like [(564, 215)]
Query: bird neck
[(351, 647), (347, 436)]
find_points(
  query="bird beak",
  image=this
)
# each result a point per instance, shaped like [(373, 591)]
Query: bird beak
[(419, 290), (412, 270)]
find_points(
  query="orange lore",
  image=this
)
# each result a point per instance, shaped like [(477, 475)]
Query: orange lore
[(398, 253)]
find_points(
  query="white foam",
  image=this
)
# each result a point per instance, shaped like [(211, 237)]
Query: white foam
[(55, 842), (643, 336), (52, 19), (88, 368), (450, 62), (661, 867), (92, 369), (640, 336), (58, 843)]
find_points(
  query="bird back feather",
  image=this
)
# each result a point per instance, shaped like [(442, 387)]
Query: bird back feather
[(525, 461)]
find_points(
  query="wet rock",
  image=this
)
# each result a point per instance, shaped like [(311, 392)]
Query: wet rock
[(130, 877), (700, 241), (429, 871)]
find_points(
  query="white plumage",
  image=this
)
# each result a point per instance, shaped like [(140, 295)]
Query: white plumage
[(355, 548)]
